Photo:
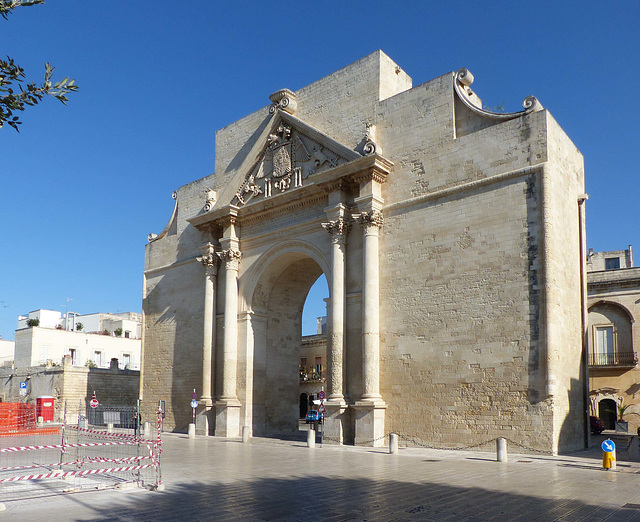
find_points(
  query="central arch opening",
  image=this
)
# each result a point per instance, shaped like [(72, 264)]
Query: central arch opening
[(278, 303)]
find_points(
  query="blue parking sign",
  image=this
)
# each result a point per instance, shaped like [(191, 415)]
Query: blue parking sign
[(23, 385)]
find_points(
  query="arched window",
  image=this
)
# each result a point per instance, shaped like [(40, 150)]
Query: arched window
[(610, 339)]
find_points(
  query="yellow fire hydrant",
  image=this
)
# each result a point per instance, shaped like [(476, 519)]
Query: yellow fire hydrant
[(608, 454)]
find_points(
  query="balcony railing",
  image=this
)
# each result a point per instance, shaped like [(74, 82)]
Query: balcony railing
[(308, 374), (619, 359)]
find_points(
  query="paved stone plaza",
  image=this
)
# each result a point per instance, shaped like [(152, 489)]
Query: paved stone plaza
[(269, 479)]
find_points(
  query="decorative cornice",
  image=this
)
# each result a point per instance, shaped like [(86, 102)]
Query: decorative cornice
[(229, 218), (370, 219), (461, 83)]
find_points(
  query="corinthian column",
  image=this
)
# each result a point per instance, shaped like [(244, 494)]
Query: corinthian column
[(210, 261), (371, 223), (338, 229), (231, 260), (228, 405)]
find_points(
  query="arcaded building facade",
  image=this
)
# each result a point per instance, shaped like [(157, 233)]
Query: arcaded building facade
[(614, 338), (450, 238)]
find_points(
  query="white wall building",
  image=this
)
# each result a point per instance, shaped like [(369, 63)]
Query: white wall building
[(126, 324), (6, 352), (49, 341)]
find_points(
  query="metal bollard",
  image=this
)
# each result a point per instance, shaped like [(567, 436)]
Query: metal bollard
[(192, 431), (311, 438), (245, 433), (393, 443), (109, 427), (501, 448)]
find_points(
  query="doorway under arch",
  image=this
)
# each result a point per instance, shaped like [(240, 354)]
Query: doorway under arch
[(304, 405), (607, 411), (277, 302)]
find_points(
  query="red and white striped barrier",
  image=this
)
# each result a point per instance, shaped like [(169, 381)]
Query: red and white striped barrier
[(104, 434), (60, 474), (63, 446), (81, 462)]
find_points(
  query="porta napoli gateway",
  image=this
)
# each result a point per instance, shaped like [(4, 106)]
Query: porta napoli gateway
[(450, 237)]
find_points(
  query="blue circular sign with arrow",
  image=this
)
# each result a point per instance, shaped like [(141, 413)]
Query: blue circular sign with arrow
[(608, 446)]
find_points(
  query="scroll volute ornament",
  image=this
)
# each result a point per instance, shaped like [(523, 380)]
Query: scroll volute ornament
[(285, 100)]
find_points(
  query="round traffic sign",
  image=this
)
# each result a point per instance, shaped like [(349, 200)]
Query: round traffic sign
[(94, 403), (608, 446), (321, 395), (194, 396), (194, 404)]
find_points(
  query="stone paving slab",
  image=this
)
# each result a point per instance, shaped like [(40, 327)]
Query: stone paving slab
[(274, 480)]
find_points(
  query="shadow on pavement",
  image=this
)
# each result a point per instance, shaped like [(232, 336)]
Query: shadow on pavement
[(324, 498)]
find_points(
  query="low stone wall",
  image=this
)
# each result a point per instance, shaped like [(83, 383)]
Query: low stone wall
[(70, 384)]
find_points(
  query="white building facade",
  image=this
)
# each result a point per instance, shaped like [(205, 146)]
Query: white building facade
[(103, 337)]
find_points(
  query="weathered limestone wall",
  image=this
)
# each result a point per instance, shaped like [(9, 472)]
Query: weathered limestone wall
[(460, 326), (173, 312), (479, 268), (563, 182), (75, 385)]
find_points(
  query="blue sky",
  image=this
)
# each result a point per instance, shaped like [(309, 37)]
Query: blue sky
[(82, 186)]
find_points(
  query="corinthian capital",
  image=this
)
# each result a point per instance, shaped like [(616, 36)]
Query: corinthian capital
[(209, 258), (370, 219), (231, 258), (338, 228)]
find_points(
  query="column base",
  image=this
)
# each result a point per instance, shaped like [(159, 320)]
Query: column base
[(227, 418), (370, 422), (334, 421), (205, 420)]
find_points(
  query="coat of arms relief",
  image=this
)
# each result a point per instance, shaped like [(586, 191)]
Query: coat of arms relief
[(288, 158)]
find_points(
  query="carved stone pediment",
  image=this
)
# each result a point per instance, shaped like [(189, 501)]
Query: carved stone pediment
[(292, 153)]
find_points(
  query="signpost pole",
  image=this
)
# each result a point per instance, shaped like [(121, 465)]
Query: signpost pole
[(322, 412), (194, 405)]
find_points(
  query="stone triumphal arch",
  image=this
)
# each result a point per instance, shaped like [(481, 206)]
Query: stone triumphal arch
[(454, 310)]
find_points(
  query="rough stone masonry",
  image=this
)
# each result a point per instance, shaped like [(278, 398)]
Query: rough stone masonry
[(450, 238)]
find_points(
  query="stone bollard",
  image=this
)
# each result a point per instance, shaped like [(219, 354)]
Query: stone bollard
[(109, 427), (192, 431), (147, 430), (311, 438), (245, 433), (82, 423), (40, 420), (501, 447), (393, 443)]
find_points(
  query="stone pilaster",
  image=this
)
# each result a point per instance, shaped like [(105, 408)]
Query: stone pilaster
[(371, 222), (370, 409)]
